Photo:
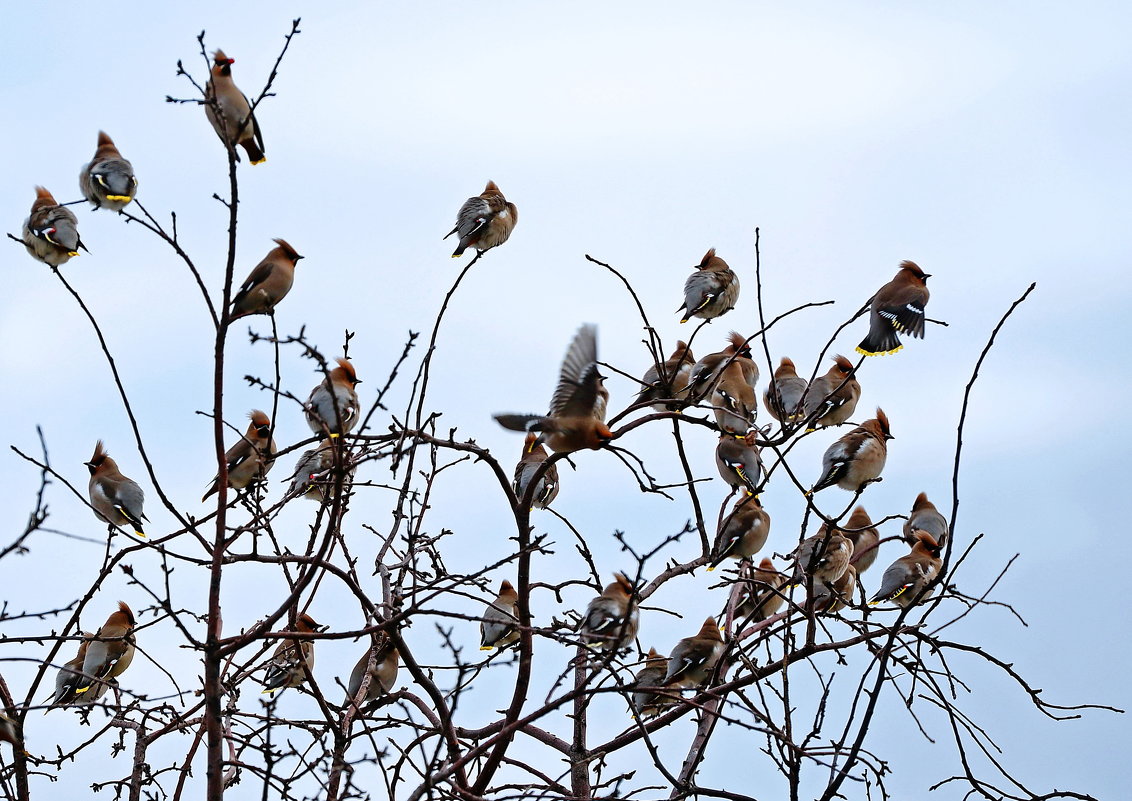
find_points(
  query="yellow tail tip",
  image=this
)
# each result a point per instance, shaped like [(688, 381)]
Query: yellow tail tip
[(141, 534), (268, 692), (83, 690), (261, 161), (711, 569), (334, 436), (487, 648), (72, 253), (119, 198)]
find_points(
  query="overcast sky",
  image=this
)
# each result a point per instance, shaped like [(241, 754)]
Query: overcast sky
[(987, 142)]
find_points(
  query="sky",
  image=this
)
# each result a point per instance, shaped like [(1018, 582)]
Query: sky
[(986, 142)]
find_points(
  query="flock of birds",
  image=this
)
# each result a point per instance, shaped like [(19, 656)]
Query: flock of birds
[(828, 564)]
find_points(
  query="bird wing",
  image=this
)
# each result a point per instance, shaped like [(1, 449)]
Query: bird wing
[(473, 216), (257, 277), (906, 311), (578, 379)]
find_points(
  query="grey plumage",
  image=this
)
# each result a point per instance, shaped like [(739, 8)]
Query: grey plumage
[(646, 701), (499, 627), (314, 476), (386, 662), (783, 398), (484, 221), (711, 291), (857, 459), (738, 462), (116, 499), (906, 578), (612, 619), (333, 405), (229, 111), (925, 517), (51, 232), (108, 180)]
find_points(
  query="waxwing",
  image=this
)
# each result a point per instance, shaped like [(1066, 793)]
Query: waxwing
[(925, 517), (707, 371), (386, 661), (694, 658), (612, 619), (824, 556), (907, 576), (738, 462), (710, 291), (855, 460), (762, 595), (110, 652), (836, 595), (314, 475), (268, 283), (898, 306), (286, 666), (783, 398), (499, 627), (865, 538), (333, 407), (51, 232), (646, 701), (485, 221), (577, 410), (734, 402), (115, 498), (832, 398), (534, 454), (70, 678), (229, 111), (108, 181), (743, 533), (251, 458), (10, 731), (670, 382)]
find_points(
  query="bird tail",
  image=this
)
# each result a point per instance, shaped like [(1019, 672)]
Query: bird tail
[(881, 341), (255, 154)]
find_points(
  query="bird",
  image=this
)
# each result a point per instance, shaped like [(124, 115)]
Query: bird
[(706, 372), (116, 499), (733, 402), (743, 533), (285, 669), (110, 651), (646, 701), (832, 398), (51, 232), (332, 407), (70, 678), (822, 556), (905, 578), (534, 454), (738, 461), (865, 538), (314, 475), (484, 222), (783, 398), (383, 676), (711, 291), (10, 731), (694, 658), (229, 111), (669, 383), (612, 619), (925, 517), (897, 307), (836, 595), (499, 627), (577, 409), (250, 459), (856, 460), (762, 594), (108, 181), (268, 283)]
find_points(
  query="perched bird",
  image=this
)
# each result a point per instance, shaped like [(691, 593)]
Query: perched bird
[(534, 454), (499, 627), (577, 410), (865, 538), (383, 676), (898, 306), (115, 498), (762, 595), (268, 283), (110, 651), (832, 398), (70, 678), (710, 291), (286, 666), (646, 701), (694, 658), (855, 460), (670, 382), (905, 578), (612, 619), (9, 731), (824, 556), (733, 402), (738, 462), (332, 407), (51, 232), (743, 533), (783, 398), (925, 517), (706, 372), (229, 111), (836, 595), (314, 475), (251, 458), (484, 222), (108, 181)]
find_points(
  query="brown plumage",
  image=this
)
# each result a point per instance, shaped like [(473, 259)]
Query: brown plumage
[(70, 678), (116, 499), (485, 221), (832, 397), (314, 475), (534, 454), (694, 658), (710, 291), (783, 398), (824, 556), (9, 731), (332, 408), (925, 517), (733, 402), (250, 459), (499, 627), (865, 539), (646, 701), (612, 619), (670, 382), (836, 595), (742, 533), (229, 111), (111, 650), (856, 460), (383, 675), (905, 578), (108, 180), (51, 232), (898, 306), (268, 283), (738, 462), (286, 666), (762, 595), (706, 372)]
